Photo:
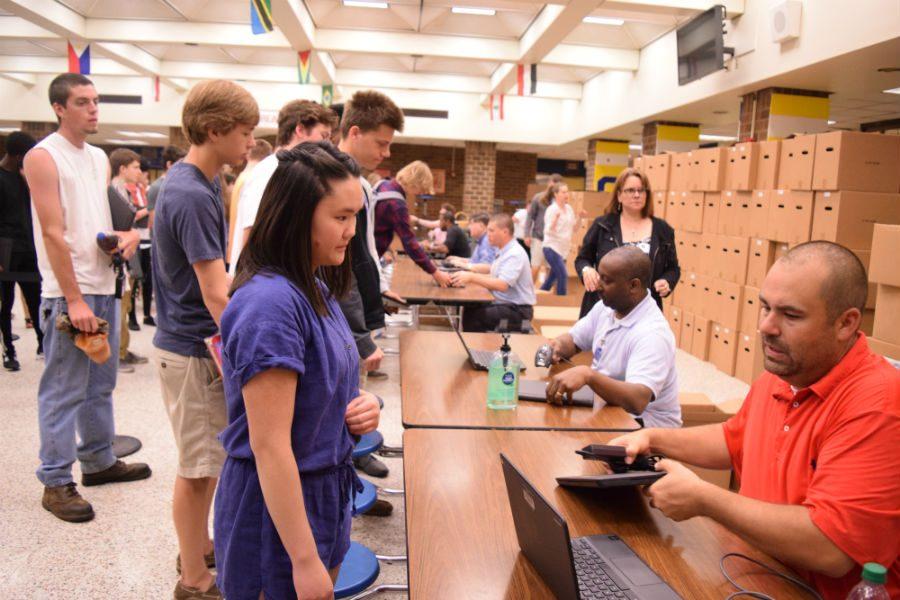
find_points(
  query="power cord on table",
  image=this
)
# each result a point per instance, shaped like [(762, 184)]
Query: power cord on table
[(744, 592)]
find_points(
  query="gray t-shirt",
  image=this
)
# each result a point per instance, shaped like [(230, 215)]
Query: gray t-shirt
[(189, 227), (153, 192)]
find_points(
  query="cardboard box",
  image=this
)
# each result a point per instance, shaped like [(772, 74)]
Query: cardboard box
[(638, 163), (872, 290), (795, 171), (673, 316), (867, 324), (855, 161), (761, 256), (687, 331), (790, 216), (657, 169), (704, 297), (767, 165), (673, 210), (849, 218), (723, 348), (659, 203), (749, 362), (697, 409), (683, 250), (743, 208), (729, 301), (712, 163), (728, 213), (711, 201), (759, 213), (694, 176), (690, 293), (750, 310), (678, 175), (740, 170), (883, 267), (691, 205), (700, 342), (886, 349), (733, 255), (887, 315), (709, 252)]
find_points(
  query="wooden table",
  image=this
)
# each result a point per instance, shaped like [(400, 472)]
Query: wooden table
[(438, 388), (462, 542), (418, 287)]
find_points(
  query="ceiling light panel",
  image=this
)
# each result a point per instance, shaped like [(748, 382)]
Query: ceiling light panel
[(471, 10), (604, 21), (365, 4)]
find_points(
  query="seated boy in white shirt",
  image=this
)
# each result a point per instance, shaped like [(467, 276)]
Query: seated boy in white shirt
[(633, 347)]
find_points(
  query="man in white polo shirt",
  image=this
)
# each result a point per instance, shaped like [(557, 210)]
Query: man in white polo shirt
[(633, 347)]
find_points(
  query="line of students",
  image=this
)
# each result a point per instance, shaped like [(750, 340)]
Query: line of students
[(815, 432)]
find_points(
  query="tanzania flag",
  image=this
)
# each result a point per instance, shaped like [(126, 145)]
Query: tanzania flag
[(303, 66), (261, 16), (79, 63)]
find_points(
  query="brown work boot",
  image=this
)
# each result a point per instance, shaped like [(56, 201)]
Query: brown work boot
[(183, 592), (66, 503), (120, 471), (209, 558)]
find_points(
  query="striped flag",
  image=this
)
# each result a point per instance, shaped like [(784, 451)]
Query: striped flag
[(497, 106), (79, 63), (520, 80), (261, 16), (303, 66)]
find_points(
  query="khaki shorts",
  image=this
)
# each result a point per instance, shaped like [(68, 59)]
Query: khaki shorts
[(537, 253), (195, 400)]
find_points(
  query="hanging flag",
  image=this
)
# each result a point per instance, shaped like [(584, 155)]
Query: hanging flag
[(79, 63), (497, 106), (520, 80), (327, 95), (156, 88), (303, 66), (261, 16), (533, 78)]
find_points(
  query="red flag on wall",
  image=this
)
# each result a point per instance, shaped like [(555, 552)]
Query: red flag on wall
[(520, 80), (497, 106)]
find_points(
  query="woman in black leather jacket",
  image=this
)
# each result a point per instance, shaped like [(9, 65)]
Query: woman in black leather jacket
[(629, 220)]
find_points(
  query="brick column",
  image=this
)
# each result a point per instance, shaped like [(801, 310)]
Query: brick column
[(177, 138), (480, 177), (39, 129), (775, 113), (669, 136), (589, 162)]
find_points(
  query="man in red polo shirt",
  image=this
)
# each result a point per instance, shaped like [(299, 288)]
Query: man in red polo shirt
[(815, 443)]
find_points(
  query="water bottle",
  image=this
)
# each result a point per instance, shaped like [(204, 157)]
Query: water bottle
[(503, 379), (872, 585)]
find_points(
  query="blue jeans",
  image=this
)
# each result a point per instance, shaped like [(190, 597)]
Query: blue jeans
[(75, 394), (557, 274)]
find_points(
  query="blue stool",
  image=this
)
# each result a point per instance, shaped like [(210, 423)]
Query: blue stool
[(359, 570), (366, 498), (368, 443)]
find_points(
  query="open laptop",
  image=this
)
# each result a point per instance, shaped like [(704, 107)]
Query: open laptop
[(536, 391), (586, 568), (480, 359)]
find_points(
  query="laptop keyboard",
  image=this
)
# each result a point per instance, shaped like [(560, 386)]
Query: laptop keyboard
[(595, 579), (483, 357)]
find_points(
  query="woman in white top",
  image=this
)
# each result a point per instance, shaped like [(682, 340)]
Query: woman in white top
[(560, 223)]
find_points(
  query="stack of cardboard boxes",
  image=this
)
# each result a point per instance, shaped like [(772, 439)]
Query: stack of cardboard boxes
[(592, 203), (736, 210), (884, 274)]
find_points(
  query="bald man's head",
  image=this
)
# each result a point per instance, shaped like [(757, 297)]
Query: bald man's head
[(624, 278), (845, 284), (631, 262)]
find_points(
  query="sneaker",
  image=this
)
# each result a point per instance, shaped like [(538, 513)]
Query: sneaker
[(133, 324), (377, 375), (183, 592), (119, 472), (371, 466), (209, 558), (381, 508), (125, 367), (40, 354), (9, 361), (149, 321), (133, 359), (66, 503)]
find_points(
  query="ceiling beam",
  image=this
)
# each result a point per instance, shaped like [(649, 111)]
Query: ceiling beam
[(69, 25), (733, 8), (26, 79), (553, 24), (296, 24), (328, 40)]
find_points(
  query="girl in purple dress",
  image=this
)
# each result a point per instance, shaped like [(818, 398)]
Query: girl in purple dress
[(291, 372)]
